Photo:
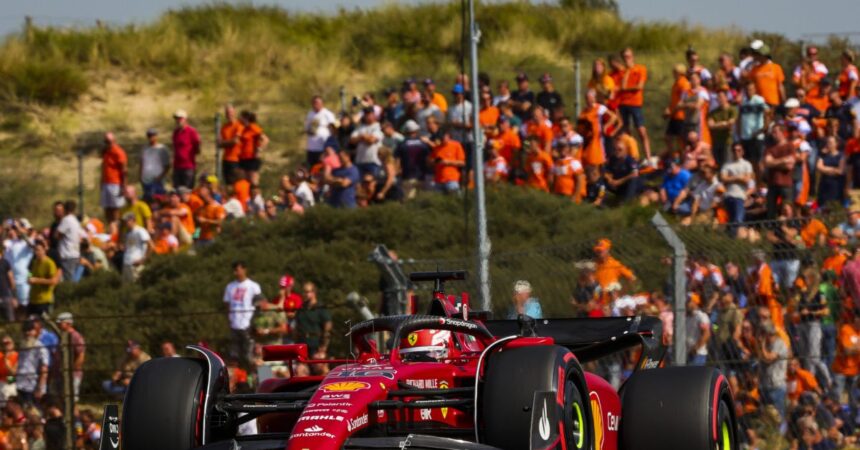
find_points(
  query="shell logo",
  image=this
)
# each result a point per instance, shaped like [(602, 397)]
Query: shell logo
[(597, 416), (346, 386)]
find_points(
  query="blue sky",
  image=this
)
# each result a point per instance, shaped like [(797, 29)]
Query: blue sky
[(792, 17)]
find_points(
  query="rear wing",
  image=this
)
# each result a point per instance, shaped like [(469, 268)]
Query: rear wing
[(591, 339)]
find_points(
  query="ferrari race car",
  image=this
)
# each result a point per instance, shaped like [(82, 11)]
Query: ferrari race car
[(452, 379)]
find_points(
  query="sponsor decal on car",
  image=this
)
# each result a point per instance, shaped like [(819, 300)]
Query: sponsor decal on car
[(358, 422), (426, 414), (597, 415), (327, 404), (458, 323), (412, 338), (321, 417), (312, 432), (612, 421), (380, 414), (543, 424), (364, 373), (336, 397), (324, 411), (424, 384), (444, 385), (346, 386)]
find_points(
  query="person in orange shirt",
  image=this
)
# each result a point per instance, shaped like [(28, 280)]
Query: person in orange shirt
[(165, 242), (768, 78), (608, 270), (448, 160), (849, 77), (242, 189), (180, 216), (836, 260), (489, 114), (538, 165), (539, 127), (209, 217), (229, 139), (809, 73), (598, 116), (631, 96), (846, 366), (696, 103), (568, 173), (496, 167), (435, 97), (799, 381), (252, 140), (510, 142), (814, 232), (675, 112), (601, 82), (114, 175)]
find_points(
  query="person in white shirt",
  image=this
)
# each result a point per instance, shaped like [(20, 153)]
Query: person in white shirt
[(317, 129), (496, 167), (19, 253), (240, 296), (154, 165), (368, 139), (138, 247), (70, 233)]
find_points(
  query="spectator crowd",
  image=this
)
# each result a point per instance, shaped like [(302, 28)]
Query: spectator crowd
[(742, 143)]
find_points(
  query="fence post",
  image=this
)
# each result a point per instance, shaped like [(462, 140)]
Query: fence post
[(68, 385), (577, 98), (679, 287)]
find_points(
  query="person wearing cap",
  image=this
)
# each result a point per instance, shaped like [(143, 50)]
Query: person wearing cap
[(31, 379), (435, 97), (229, 141), (367, 138), (317, 129), (66, 322), (119, 381), (849, 76), (240, 296), (523, 99), (548, 98), (608, 270), (186, 147), (768, 77), (460, 117), (290, 302), (154, 166), (523, 303), (412, 155), (114, 176), (137, 245)]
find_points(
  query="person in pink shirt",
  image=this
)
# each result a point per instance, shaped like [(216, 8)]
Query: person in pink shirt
[(186, 147), (851, 277)]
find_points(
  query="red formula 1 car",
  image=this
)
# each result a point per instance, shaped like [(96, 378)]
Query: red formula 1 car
[(452, 380)]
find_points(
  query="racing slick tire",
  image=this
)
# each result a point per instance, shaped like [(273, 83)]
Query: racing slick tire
[(678, 408), (512, 379), (163, 405)]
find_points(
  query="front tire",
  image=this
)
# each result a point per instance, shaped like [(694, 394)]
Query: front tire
[(163, 407), (512, 379), (678, 408)]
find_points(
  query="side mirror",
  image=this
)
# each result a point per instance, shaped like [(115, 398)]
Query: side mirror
[(298, 352)]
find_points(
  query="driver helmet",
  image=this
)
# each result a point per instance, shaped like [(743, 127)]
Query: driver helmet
[(425, 345)]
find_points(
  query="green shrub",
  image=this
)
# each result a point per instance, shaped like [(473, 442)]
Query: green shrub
[(47, 82)]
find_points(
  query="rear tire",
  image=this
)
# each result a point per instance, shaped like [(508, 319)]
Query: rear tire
[(512, 378), (677, 408), (163, 406)]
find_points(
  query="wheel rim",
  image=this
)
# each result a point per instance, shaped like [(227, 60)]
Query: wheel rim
[(727, 437), (578, 425)]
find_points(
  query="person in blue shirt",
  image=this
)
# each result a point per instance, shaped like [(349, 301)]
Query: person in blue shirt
[(524, 303), (343, 182), (673, 191)]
